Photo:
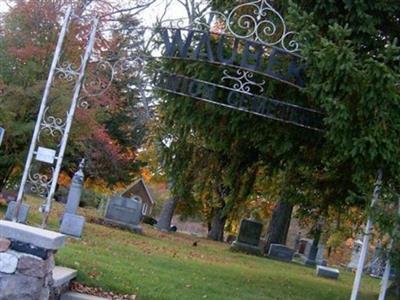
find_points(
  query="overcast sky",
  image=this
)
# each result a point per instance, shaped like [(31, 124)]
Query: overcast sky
[(2, 6), (176, 10), (148, 16)]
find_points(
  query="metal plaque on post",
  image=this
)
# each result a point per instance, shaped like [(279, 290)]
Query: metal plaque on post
[(45, 155)]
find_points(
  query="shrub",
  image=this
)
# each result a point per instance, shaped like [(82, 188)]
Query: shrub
[(90, 198)]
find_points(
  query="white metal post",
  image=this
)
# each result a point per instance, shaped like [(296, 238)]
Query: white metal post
[(70, 117), (42, 109), (386, 274), (385, 281), (367, 232), (1, 135)]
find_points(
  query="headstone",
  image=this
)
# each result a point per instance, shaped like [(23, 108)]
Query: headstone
[(355, 255), (250, 232), (124, 211), (305, 246), (75, 191), (320, 256), (249, 237), (22, 214), (327, 272), (72, 225), (281, 252), (312, 255)]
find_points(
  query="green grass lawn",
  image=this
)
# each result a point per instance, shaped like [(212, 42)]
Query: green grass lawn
[(156, 265)]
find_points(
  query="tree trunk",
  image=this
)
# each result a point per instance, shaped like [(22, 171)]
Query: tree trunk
[(167, 212), (216, 232), (279, 226), (314, 247)]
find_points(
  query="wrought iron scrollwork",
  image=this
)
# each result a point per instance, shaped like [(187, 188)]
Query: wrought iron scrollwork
[(262, 23), (99, 77), (243, 81), (256, 20), (127, 68), (51, 125), (40, 183), (212, 20), (68, 72)]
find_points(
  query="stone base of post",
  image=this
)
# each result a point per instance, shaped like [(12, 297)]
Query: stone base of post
[(27, 261)]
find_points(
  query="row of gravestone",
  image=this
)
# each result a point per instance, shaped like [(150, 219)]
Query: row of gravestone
[(122, 211), (125, 212), (248, 240), (249, 237), (71, 223)]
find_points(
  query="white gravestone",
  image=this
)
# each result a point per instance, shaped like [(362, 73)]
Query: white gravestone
[(326, 272), (355, 255), (320, 256)]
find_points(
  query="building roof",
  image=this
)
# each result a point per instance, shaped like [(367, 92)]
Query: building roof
[(135, 188)]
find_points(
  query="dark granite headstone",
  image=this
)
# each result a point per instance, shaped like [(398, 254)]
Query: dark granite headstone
[(124, 211), (281, 252), (249, 237), (249, 232)]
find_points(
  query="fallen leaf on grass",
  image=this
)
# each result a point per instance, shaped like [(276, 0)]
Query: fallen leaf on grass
[(94, 291)]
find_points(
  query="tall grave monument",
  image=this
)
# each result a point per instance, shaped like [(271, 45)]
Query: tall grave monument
[(71, 223)]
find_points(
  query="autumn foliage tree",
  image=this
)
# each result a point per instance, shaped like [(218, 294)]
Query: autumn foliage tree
[(29, 32)]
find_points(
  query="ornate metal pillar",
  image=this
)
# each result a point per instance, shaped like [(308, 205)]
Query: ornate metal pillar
[(42, 111), (45, 184), (68, 125), (367, 233)]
